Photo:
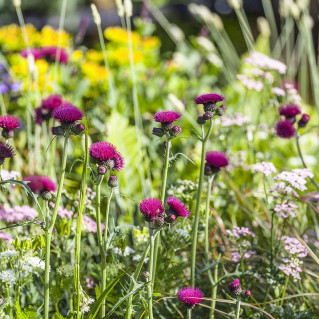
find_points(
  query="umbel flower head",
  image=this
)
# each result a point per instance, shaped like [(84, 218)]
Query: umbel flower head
[(190, 296), (40, 184), (106, 155), (285, 129), (215, 160), (176, 209), (9, 123), (152, 209), (167, 119), (43, 112), (6, 151)]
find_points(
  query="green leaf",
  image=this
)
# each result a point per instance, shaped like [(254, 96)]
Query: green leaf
[(97, 305)]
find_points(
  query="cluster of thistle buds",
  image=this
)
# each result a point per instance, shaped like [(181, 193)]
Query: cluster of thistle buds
[(69, 116), (167, 119), (209, 102), (236, 289)]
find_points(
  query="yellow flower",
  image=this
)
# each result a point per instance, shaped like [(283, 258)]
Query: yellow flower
[(94, 72), (120, 36), (120, 56), (77, 55), (94, 56), (150, 43), (50, 37)]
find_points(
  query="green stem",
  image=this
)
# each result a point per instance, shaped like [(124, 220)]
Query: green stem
[(272, 241), (303, 162), (48, 233), (209, 191), (168, 145), (79, 228), (214, 290), (150, 282), (238, 308), (198, 200), (284, 290), (104, 249)]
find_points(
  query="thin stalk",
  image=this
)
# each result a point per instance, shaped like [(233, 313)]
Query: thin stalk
[(79, 227), (269, 13), (168, 145), (214, 290), (245, 28), (49, 229), (61, 26), (198, 200), (3, 106), (104, 248), (238, 302), (113, 93), (272, 241), (284, 290), (137, 111), (209, 191), (302, 160), (150, 282)]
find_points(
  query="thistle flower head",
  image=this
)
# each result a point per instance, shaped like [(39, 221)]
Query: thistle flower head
[(285, 129), (190, 296), (40, 184), (6, 151), (106, 153), (166, 117), (177, 207), (217, 159), (235, 287), (152, 209), (52, 102), (289, 110), (208, 98), (67, 113), (305, 118), (9, 122)]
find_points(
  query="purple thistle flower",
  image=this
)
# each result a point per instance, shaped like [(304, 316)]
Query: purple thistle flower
[(190, 296), (152, 209), (40, 184), (289, 110), (106, 153), (67, 113), (166, 117), (235, 287), (6, 151), (285, 129), (210, 98), (52, 102), (176, 207), (217, 159), (9, 122), (305, 118)]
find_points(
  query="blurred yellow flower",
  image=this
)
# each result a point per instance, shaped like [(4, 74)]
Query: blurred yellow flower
[(120, 36), (77, 55), (94, 56), (50, 37), (94, 72)]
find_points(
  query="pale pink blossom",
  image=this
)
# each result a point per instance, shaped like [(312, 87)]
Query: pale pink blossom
[(286, 210), (240, 231), (265, 168)]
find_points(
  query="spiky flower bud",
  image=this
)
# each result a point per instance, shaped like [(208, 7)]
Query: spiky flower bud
[(101, 170), (246, 293), (158, 131), (221, 110), (304, 120), (207, 115), (46, 195), (7, 133), (77, 129), (58, 131), (113, 182), (200, 120), (175, 131)]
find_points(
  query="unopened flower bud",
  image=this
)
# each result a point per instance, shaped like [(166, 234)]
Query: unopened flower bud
[(146, 274), (58, 131), (16, 3), (7, 133), (112, 182), (46, 196), (120, 8), (78, 129), (207, 116), (158, 222), (221, 110), (200, 120), (101, 170), (304, 120), (158, 131), (96, 15), (110, 164), (175, 131), (235, 287), (167, 126), (210, 107), (246, 293), (128, 7)]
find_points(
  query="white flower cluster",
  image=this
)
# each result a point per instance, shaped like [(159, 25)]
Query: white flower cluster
[(265, 168), (236, 119), (8, 277), (127, 251)]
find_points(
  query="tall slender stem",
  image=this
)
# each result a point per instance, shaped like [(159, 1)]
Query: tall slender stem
[(79, 228), (238, 308), (168, 145), (303, 161), (198, 201), (284, 290), (150, 282), (272, 241), (214, 289), (48, 232), (104, 248)]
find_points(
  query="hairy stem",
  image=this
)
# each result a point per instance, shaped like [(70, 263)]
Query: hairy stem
[(150, 282), (238, 308)]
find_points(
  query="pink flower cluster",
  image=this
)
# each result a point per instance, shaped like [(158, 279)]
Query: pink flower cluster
[(236, 256), (17, 213), (46, 52), (90, 225), (265, 168), (65, 213), (290, 267), (5, 236), (236, 119), (239, 232), (294, 247), (286, 210)]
